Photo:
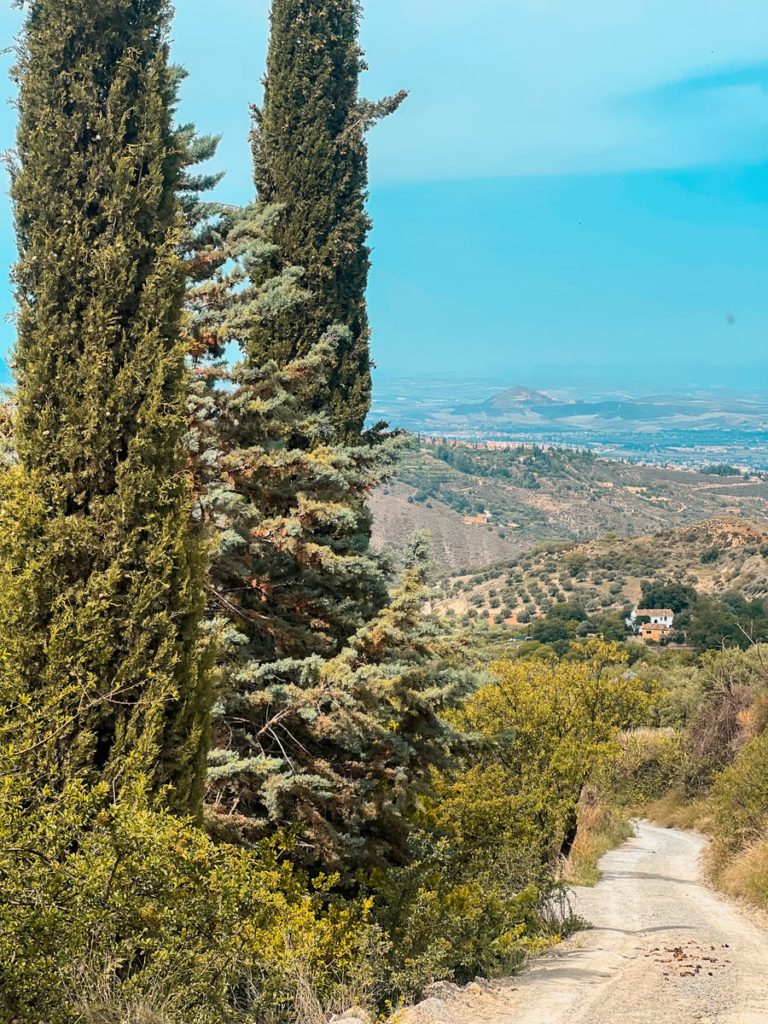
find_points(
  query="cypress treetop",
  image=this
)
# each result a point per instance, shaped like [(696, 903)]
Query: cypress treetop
[(310, 152)]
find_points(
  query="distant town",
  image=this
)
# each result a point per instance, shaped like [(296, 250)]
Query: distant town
[(687, 429)]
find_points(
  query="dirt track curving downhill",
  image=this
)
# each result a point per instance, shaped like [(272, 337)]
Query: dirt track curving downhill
[(664, 949)]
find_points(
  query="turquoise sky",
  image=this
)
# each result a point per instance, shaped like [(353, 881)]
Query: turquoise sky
[(574, 192)]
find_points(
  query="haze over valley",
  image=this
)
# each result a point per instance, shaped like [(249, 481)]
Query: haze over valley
[(691, 427)]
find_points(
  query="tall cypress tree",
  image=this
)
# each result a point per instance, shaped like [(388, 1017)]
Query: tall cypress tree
[(101, 590), (310, 153)]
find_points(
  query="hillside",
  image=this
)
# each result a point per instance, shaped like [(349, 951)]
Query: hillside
[(538, 495), (715, 557)]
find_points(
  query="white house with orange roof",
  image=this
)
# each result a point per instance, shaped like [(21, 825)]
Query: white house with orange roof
[(663, 617)]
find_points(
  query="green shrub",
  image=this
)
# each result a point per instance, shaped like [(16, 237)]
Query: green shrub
[(650, 764), (746, 876), (481, 893), (454, 917), (740, 799), (104, 912)]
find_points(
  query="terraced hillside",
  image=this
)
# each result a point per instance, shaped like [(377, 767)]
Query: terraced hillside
[(722, 555), (538, 495)]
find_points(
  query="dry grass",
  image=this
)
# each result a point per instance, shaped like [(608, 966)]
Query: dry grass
[(746, 876), (112, 1009), (97, 995), (118, 1015), (601, 829), (309, 1009), (676, 810)]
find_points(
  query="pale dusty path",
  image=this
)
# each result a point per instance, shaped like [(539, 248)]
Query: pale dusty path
[(664, 950)]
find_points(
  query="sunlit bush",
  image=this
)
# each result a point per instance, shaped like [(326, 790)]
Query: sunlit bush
[(457, 913), (740, 799), (649, 765), (109, 913)]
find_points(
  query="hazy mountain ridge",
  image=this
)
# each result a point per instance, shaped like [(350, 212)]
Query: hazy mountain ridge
[(686, 427)]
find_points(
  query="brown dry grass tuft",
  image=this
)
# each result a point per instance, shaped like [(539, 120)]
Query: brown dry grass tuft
[(746, 876), (116, 1013), (98, 997), (601, 829), (676, 810)]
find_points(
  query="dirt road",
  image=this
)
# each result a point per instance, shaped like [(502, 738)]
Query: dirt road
[(664, 950)]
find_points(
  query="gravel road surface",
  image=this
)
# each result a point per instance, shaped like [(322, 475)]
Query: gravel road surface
[(664, 949)]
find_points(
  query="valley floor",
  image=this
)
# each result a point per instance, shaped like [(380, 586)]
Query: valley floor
[(664, 948)]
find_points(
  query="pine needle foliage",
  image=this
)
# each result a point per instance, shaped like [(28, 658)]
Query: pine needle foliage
[(102, 673), (330, 691), (309, 142), (339, 750)]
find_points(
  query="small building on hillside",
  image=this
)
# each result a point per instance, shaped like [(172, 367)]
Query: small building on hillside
[(654, 633), (655, 616), (482, 519)]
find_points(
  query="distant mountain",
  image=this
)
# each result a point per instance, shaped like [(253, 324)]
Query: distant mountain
[(520, 404), (693, 427), (512, 397)]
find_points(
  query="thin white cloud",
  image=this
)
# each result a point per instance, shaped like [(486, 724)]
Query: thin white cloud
[(504, 87)]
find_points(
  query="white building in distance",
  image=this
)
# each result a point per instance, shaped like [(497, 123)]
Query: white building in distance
[(657, 616)]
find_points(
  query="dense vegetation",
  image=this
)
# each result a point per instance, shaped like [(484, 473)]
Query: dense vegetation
[(704, 763), (245, 776)]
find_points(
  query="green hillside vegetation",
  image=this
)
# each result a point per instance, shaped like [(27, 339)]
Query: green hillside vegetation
[(605, 578), (538, 495)]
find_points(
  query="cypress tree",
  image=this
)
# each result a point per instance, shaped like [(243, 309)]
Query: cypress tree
[(103, 676), (309, 142), (6, 435)]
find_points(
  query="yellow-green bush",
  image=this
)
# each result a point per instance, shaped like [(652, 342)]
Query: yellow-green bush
[(747, 874), (482, 807), (483, 891), (548, 727), (648, 765), (676, 678), (106, 910), (738, 859), (452, 914), (740, 799)]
